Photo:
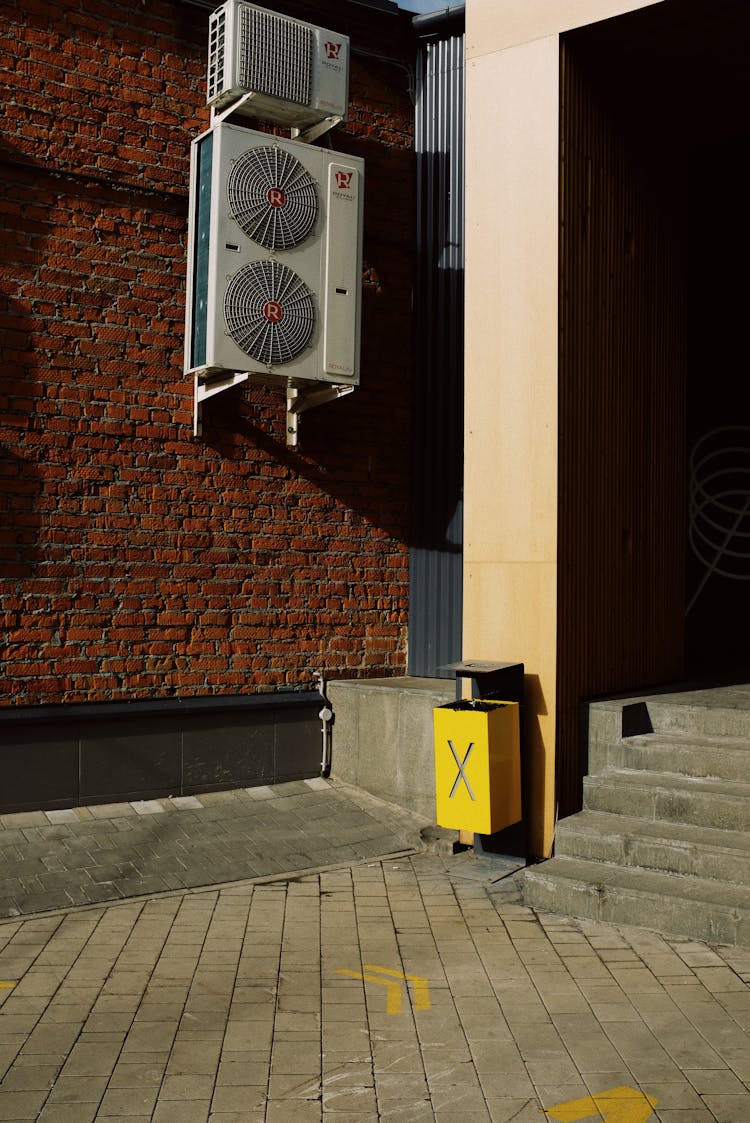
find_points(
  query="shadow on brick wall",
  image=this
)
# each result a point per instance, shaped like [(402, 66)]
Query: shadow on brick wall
[(20, 482), (20, 488)]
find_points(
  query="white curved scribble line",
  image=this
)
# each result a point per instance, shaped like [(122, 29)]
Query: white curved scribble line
[(718, 507)]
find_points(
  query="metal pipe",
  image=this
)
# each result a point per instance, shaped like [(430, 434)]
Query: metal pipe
[(432, 22), (326, 717)]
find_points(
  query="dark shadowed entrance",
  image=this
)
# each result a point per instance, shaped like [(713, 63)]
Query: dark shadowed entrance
[(654, 539)]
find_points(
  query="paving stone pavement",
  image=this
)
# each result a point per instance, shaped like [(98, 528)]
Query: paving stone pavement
[(411, 988), (86, 855)]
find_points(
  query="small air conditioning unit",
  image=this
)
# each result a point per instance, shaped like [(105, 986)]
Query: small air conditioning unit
[(274, 260), (294, 73)]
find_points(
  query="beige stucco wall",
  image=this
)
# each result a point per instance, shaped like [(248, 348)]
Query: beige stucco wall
[(493, 25), (510, 531)]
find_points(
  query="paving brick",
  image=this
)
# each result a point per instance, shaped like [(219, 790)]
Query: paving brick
[(137, 1074), (52, 1038), (133, 1101), (30, 1077), (234, 1072), (78, 1089), (293, 1111), (21, 1104), (193, 1058), (68, 1113), (90, 1058), (238, 1097), (150, 1037), (729, 1108), (178, 1111)]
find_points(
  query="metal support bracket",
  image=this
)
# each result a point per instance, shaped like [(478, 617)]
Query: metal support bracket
[(306, 136), (314, 131), (206, 385), (218, 116), (299, 399)]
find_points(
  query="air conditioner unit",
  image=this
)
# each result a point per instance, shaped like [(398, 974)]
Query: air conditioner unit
[(274, 263), (295, 73)]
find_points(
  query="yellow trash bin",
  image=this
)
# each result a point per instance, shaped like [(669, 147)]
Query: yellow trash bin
[(477, 765)]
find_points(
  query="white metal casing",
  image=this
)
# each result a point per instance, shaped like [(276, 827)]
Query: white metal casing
[(222, 256), (296, 73)]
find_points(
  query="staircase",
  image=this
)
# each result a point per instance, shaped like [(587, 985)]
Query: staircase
[(663, 840)]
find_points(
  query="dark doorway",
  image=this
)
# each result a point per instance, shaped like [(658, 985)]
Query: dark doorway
[(654, 132), (718, 557)]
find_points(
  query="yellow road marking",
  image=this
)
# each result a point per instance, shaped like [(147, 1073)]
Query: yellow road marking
[(618, 1105), (373, 973), (420, 984), (6, 986), (393, 995)]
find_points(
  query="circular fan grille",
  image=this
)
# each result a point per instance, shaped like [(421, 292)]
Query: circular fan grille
[(272, 197), (269, 312)]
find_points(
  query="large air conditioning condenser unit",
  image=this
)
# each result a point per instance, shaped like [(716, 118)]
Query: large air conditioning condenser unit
[(283, 69), (275, 259)]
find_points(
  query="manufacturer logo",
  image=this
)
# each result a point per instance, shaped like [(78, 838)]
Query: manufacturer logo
[(333, 50), (272, 310), (344, 180), (276, 197)]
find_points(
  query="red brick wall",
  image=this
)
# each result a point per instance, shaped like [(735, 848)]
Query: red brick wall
[(136, 560)]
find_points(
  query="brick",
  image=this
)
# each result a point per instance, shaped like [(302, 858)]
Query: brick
[(232, 559)]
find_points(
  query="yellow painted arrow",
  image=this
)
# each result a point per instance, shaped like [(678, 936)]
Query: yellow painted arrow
[(373, 973), (618, 1105), (420, 984), (393, 995)]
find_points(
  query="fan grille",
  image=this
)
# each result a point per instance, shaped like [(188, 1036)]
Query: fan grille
[(269, 312), (272, 197)]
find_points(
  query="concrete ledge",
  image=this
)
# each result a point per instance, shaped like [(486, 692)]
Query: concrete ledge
[(382, 737)]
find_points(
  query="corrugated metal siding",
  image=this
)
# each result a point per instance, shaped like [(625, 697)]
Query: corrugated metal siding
[(622, 422), (437, 503)]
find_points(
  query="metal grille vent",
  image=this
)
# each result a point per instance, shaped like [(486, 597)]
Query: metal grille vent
[(269, 312), (275, 56), (272, 197), (216, 53)]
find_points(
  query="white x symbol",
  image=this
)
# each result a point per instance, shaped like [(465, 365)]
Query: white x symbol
[(461, 765)]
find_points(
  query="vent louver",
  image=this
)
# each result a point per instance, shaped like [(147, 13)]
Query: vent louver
[(217, 47), (272, 197), (275, 55)]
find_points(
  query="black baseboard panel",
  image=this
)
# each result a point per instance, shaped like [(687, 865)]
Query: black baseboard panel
[(67, 756)]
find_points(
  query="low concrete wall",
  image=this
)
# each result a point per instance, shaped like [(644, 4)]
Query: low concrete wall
[(382, 737)]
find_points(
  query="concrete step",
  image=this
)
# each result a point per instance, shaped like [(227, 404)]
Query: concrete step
[(692, 907), (722, 804), (724, 758), (664, 837), (721, 715), (718, 712), (680, 848)]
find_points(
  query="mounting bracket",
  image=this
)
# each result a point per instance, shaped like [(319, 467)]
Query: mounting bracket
[(299, 399), (307, 136), (312, 133), (217, 116), (206, 384)]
